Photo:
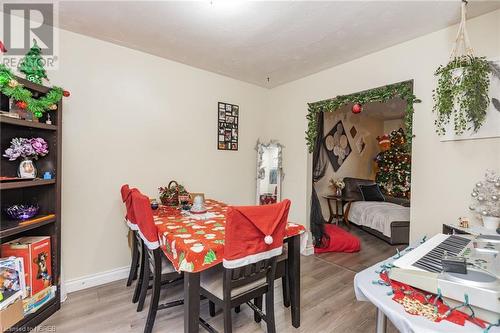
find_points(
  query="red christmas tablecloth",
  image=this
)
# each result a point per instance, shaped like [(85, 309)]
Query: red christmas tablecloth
[(195, 245)]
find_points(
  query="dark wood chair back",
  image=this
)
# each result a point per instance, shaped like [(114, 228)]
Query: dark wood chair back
[(245, 275)]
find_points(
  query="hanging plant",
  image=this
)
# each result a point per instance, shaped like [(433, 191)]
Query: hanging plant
[(462, 89)]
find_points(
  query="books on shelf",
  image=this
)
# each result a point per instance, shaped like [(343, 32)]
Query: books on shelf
[(12, 282), (32, 304)]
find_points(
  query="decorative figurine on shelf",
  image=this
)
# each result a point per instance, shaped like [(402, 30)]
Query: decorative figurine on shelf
[(28, 149), (198, 205), (463, 222), (32, 65), (47, 175), (48, 121), (486, 197)]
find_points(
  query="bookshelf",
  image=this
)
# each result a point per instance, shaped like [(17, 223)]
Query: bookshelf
[(46, 193)]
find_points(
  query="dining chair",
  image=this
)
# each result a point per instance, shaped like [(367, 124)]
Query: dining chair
[(253, 241), (155, 262), (281, 273), (136, 244)]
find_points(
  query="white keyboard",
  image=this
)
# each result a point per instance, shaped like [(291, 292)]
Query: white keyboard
[(428, 256)]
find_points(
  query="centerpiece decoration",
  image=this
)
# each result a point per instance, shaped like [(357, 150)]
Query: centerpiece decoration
[(338, 185), (486, 200), (28, 150), (172, 193), (22, 212), (463, 84)]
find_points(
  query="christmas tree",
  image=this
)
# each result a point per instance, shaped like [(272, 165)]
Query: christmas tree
[(32, 65), (394, 166)]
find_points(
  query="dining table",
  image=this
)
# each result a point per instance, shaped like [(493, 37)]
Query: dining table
[(195, 243)]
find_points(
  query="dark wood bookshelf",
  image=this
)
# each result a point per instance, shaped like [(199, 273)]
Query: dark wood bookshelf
[(11, 228), (46, 193), (35, 87), (32, 320), (26, 123), (26, 183)]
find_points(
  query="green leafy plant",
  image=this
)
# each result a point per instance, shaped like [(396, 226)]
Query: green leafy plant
[(403, 90), (169, 194), (462, 94), (13, 89)]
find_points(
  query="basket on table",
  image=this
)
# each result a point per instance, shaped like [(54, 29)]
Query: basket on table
[(171, 195)]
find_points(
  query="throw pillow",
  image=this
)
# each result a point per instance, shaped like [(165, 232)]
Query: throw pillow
[(371, 193)]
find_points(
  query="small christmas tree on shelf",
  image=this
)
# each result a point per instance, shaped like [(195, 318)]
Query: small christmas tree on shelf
[(394, 166), (32, 65)]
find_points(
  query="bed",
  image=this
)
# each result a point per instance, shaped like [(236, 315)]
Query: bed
[(388, 220)]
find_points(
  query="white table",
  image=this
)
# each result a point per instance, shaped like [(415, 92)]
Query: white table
[(387, 308), (472, 229)]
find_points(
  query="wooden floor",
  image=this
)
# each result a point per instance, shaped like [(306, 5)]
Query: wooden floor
[(328, 301)]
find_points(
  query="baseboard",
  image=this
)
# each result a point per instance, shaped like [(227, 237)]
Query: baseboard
[(309, 250), (97, 279)]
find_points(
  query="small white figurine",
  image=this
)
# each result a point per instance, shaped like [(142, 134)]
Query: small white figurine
[(198, 205)]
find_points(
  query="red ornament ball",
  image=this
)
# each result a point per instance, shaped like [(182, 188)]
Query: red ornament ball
[(357, 108), (66, 93), (21, 104)]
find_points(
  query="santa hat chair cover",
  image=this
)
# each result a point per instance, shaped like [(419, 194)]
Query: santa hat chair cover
[(145, 222), (126, 192), (254, 233)]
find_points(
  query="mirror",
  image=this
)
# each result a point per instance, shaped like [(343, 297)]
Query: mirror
[(269, 172)]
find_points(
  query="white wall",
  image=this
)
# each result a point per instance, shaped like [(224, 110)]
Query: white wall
[(136, 118), (391, 125), (139, 119), (442, 172)]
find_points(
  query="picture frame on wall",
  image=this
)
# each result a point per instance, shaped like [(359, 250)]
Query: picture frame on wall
[(228, 122)]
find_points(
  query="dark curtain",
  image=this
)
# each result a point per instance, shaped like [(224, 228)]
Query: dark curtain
[(320, 162)]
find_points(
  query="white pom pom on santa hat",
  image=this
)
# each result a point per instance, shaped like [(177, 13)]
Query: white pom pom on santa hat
[(268, 239)]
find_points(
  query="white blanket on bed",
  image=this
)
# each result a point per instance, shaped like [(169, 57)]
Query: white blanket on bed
[(378, 215)]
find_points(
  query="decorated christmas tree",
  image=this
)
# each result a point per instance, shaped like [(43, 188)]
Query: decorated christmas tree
[(32, 65), (394, 166)]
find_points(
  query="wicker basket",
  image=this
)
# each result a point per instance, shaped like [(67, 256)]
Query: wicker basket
[(173, 199)]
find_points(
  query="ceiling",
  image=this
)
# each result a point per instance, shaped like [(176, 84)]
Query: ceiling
[(253, 41)]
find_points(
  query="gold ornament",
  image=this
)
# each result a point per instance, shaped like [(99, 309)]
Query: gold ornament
[(53, 107), (13, 83)]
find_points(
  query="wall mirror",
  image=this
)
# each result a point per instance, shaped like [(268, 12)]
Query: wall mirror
[(269, 172)]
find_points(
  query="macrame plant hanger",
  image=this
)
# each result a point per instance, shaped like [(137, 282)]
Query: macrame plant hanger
[(462, 45)]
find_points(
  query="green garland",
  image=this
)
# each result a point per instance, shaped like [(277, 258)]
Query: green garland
[(19, 93), (404, 90)]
